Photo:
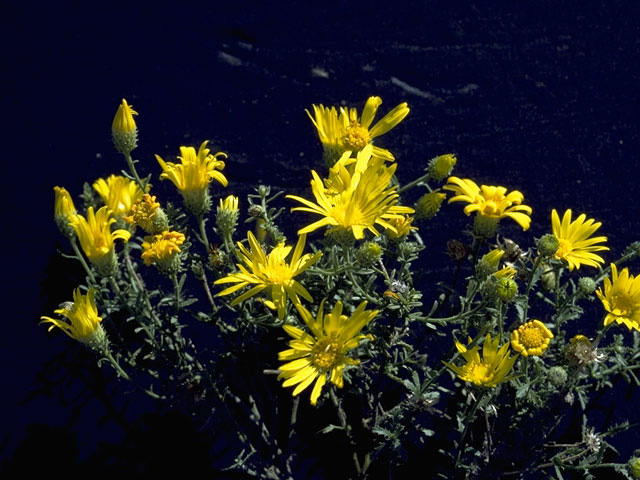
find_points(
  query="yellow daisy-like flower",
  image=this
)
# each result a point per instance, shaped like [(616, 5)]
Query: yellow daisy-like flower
[(193, 175), (486, 371), (324, 352), (97, 239), (576, 246), (621, 298), (82, 321), (491, 204), (359, 199), (345, 131), (270, 271), (532, 338), (118, 193), (63, 210), (163, 250)]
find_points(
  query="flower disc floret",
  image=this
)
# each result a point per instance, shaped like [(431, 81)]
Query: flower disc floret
[(576, 244), (620, 297), (532, 338)]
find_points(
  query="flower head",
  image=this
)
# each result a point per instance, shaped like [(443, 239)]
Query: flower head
[(63, 210), (621, 298), (147, 214), (97, 239), (402, 227), (429, 204), (193, 174), (162, 250), (345, 131), (118, 193), (81, 321), (270, 272), (486, 371), (491, 204), (532, 338), (575, 245), (440, 167), (124, 129), (227, 215), (358, 198), (323, 352)]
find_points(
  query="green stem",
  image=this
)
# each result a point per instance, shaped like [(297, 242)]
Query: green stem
[(468, 423), (86, 267), (414, 183), (535, 267), (132, 169), (176, 289), (203, 232)]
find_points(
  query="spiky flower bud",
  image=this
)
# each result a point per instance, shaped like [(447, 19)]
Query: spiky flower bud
[(548, 245), (633, 466), (586, 285), (557, 376), (124, 130), (368, 254), (506, 288), (488, 263), (441, 166), (429, 204)]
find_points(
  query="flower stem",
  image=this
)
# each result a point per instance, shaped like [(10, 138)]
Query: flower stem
[(132, 169), (203, 232), (76, 250)]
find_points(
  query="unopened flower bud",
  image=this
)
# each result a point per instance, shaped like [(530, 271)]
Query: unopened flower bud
[(124, 130), (368, 254), (63, 209), (255, 210), (548, 245), (488, 263), (440, 167), (227, 215), (557, 376), (634, 467), (428, 205), (506, 288), (586, 285), (548, 277)]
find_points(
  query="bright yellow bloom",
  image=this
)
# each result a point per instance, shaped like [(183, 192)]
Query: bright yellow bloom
[(575, 245), (532, 338), (271, 271), (118, 193), (193, 174), (491, 203), (346, 131), (402, 226), (63, 210), (163, 250), (313, 357), (621, 298), (82, 321), (486, 371), (123, 121), (147, 214), (96, 238), (359, 198)]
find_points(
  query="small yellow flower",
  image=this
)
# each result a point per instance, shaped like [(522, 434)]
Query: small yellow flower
[(575, 245), (63, 210), (402, 226), (162, 250), (324, 352), (429, 204), (270, 271), (147, 214), (532, 338), (491, 204), (97, 239), (346, 131), (193, 174), (124, 130), (441, 166), (486, 371), (82, 321), (621, 298), (118, 193)]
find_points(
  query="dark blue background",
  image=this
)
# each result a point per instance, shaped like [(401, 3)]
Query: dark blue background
[(537, 96)]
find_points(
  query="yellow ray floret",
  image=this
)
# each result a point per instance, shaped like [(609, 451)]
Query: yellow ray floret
[(94, 233), (491, 202), (576, 244), (621, 298), (270, 272), (123, 121), (532, 338), (196, 170), (323, 352), (118, 193), (487, 370), (82, 318)]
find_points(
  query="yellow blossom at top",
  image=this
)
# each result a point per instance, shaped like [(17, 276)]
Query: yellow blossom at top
[(162, 250), (230, 203), (532, 338), (576, 247), (196, 170), (82, 320), (323, 353), (63, 209), (123, 121), (270, 272), (360, 198), (345, 131), (621, 298), (487, 370), (490, 202), (118, 193)]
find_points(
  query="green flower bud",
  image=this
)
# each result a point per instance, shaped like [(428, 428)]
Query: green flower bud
[(506, 288), (159, 222), (557, 376), (548, 245), (440, 167), (634, 467), (368, 254), (586, 285), (548, 277)]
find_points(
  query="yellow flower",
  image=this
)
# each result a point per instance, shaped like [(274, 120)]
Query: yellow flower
[(486, 371), (96, 238), (359, 199), (441, 166), (227, 216), (575, 245), (491, 204), (532, 338), (402, 226), (82, 321), (147, 214), (270, 271), (163, 250), (429, 204), (118, 193), (313, 357), (124, 130), (346, 131), (63, 210), (621, 298), (193, 174)]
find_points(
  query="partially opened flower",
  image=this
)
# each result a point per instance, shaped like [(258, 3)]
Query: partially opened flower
[(271, 272), (63, 210), (532, 338), (124, 130), (163, 251), (577, 246), (488, 370), (118, 193), (621, 298), (345, 131), (323, 353), (490, 203)]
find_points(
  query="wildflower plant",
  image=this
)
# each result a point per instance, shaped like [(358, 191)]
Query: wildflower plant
[(312, 315)]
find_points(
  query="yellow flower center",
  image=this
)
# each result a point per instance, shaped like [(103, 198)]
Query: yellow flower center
[(326, 353), (622, 305), (565, 247), (479, 373), (278, 274), (531, 337), (357, 137), (490, 208)]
